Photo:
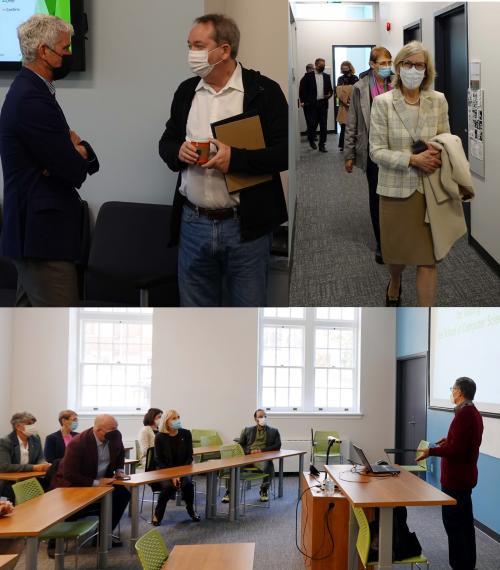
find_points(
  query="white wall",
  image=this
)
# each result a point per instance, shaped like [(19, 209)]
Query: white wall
[(136, 59), (205, 365), (5, 365)]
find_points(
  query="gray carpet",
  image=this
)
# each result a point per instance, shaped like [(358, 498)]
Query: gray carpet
[(273, 532), (333, 255)]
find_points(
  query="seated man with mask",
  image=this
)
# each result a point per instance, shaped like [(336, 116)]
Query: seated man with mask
[(255, 439), (94, 458)]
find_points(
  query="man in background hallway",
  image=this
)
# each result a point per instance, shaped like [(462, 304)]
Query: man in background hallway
[(316, 91), (459, 451), (306, 108)]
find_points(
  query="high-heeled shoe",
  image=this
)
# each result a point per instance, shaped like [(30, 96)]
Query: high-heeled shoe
[(389, 302), (195, 517), (155, 521)]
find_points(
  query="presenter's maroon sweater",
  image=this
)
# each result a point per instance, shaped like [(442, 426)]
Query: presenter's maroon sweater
[(460, 452)]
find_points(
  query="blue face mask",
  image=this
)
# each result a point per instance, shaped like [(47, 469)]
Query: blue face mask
[(384, 72), (176, 424), (74, 426)]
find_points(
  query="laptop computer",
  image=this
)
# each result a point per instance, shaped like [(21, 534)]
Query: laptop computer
[(376, 469)]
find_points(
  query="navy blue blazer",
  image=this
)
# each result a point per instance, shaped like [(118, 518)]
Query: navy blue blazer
[(42, 215), (54, 446)]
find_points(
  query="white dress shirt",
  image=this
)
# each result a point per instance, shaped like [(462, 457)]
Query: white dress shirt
[(24, 452), (319, 85), (207, 188)]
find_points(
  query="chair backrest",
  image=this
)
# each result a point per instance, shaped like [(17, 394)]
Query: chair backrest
[(150, 459), (209, 440), (197, 434), (364, 539), (321, 441), (422, 445), (152, 550), (26, 490), (231, 450)]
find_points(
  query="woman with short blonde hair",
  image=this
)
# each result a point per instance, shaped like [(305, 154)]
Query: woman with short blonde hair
[(402, 122)]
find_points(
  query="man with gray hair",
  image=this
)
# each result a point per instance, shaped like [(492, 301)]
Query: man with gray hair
[(43, 162), (224, 238)]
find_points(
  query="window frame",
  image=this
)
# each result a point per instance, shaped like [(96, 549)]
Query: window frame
[(310, 323), (111, 315)]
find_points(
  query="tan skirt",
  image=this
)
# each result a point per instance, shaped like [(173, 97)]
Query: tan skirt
[(405, 237)]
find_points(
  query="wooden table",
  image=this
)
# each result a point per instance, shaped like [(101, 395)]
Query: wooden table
[(34, 517), (17, 476), (386, 493), (207, 449), (7, 559), (210, 469), (211, 557)]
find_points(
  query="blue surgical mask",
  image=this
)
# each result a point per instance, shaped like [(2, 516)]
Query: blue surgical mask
[(176, 424), (74, 426), (384, 72)]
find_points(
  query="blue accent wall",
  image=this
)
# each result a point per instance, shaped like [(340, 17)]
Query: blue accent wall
[(412, 337)]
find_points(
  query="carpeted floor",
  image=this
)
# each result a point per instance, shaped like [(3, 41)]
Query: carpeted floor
[(273, 532), (333, 256)]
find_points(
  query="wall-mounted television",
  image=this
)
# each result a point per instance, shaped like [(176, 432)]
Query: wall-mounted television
[(15, 12)]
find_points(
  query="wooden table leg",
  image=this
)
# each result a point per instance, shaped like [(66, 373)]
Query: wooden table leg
[(385, 539)]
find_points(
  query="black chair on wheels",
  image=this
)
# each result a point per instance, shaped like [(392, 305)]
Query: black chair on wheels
[(130, 260)]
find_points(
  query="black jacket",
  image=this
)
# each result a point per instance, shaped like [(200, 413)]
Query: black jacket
[(308, 92), (262, 208), (273, 439), (163, 450), (54, 446), (42, 213)]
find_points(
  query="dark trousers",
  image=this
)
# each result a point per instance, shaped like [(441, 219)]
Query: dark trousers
[(342, 136), (458, 522), (372, 177), (307, 116), (119, 499), (46, 283), (319, 116), (168, 491)]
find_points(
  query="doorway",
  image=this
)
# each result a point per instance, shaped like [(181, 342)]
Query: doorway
[(412, 32), (358, 55), (411, 405)]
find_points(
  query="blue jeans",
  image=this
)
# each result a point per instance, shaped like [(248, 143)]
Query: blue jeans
[(211, 253)]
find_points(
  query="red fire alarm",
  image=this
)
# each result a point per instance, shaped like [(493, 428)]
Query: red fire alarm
[(388, 26)]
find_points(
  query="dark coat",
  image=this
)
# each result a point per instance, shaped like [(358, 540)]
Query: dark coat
[(308, 91), (163, 450), (54, 446), (78, 468), (273, 439), (42, 214), (262, 208), (10, 454)]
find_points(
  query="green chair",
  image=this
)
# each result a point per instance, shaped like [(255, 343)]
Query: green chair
[(248, 475), (31, 488), (155, 487), (364, 540), (319, 446), (209, 440), (197, 434), (420, 466), (152, 550)]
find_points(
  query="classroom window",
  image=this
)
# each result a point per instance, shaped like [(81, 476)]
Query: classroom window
[(308, 359), (338, 11), (114, 359)]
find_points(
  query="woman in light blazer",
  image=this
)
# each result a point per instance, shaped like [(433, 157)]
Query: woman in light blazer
[(402, 121)]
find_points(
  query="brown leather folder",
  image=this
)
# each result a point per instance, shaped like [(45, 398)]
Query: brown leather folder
[(241, 131)]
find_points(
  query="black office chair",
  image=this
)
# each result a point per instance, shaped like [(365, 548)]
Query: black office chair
[(130, 261), (8, 278)]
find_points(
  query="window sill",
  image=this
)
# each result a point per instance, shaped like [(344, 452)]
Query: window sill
[(339, 415)]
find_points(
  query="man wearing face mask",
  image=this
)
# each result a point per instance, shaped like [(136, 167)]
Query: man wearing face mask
[(224, 239), (371, 84), (56, 443), (459, 452), (95, 458), (256, 439), (316, 91), (43, 163), (21, 450), (306, 108)]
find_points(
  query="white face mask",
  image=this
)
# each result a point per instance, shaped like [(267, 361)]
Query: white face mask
[(262, 421), (411, 78), (30, 430), (198, 62)]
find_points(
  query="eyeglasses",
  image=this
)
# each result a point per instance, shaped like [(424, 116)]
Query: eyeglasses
[(418, 66)]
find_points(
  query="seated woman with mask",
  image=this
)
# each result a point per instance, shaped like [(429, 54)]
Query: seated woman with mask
[(174, 448), (56, 443)]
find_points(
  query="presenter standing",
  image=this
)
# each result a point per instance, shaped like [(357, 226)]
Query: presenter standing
[(459, 451)]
